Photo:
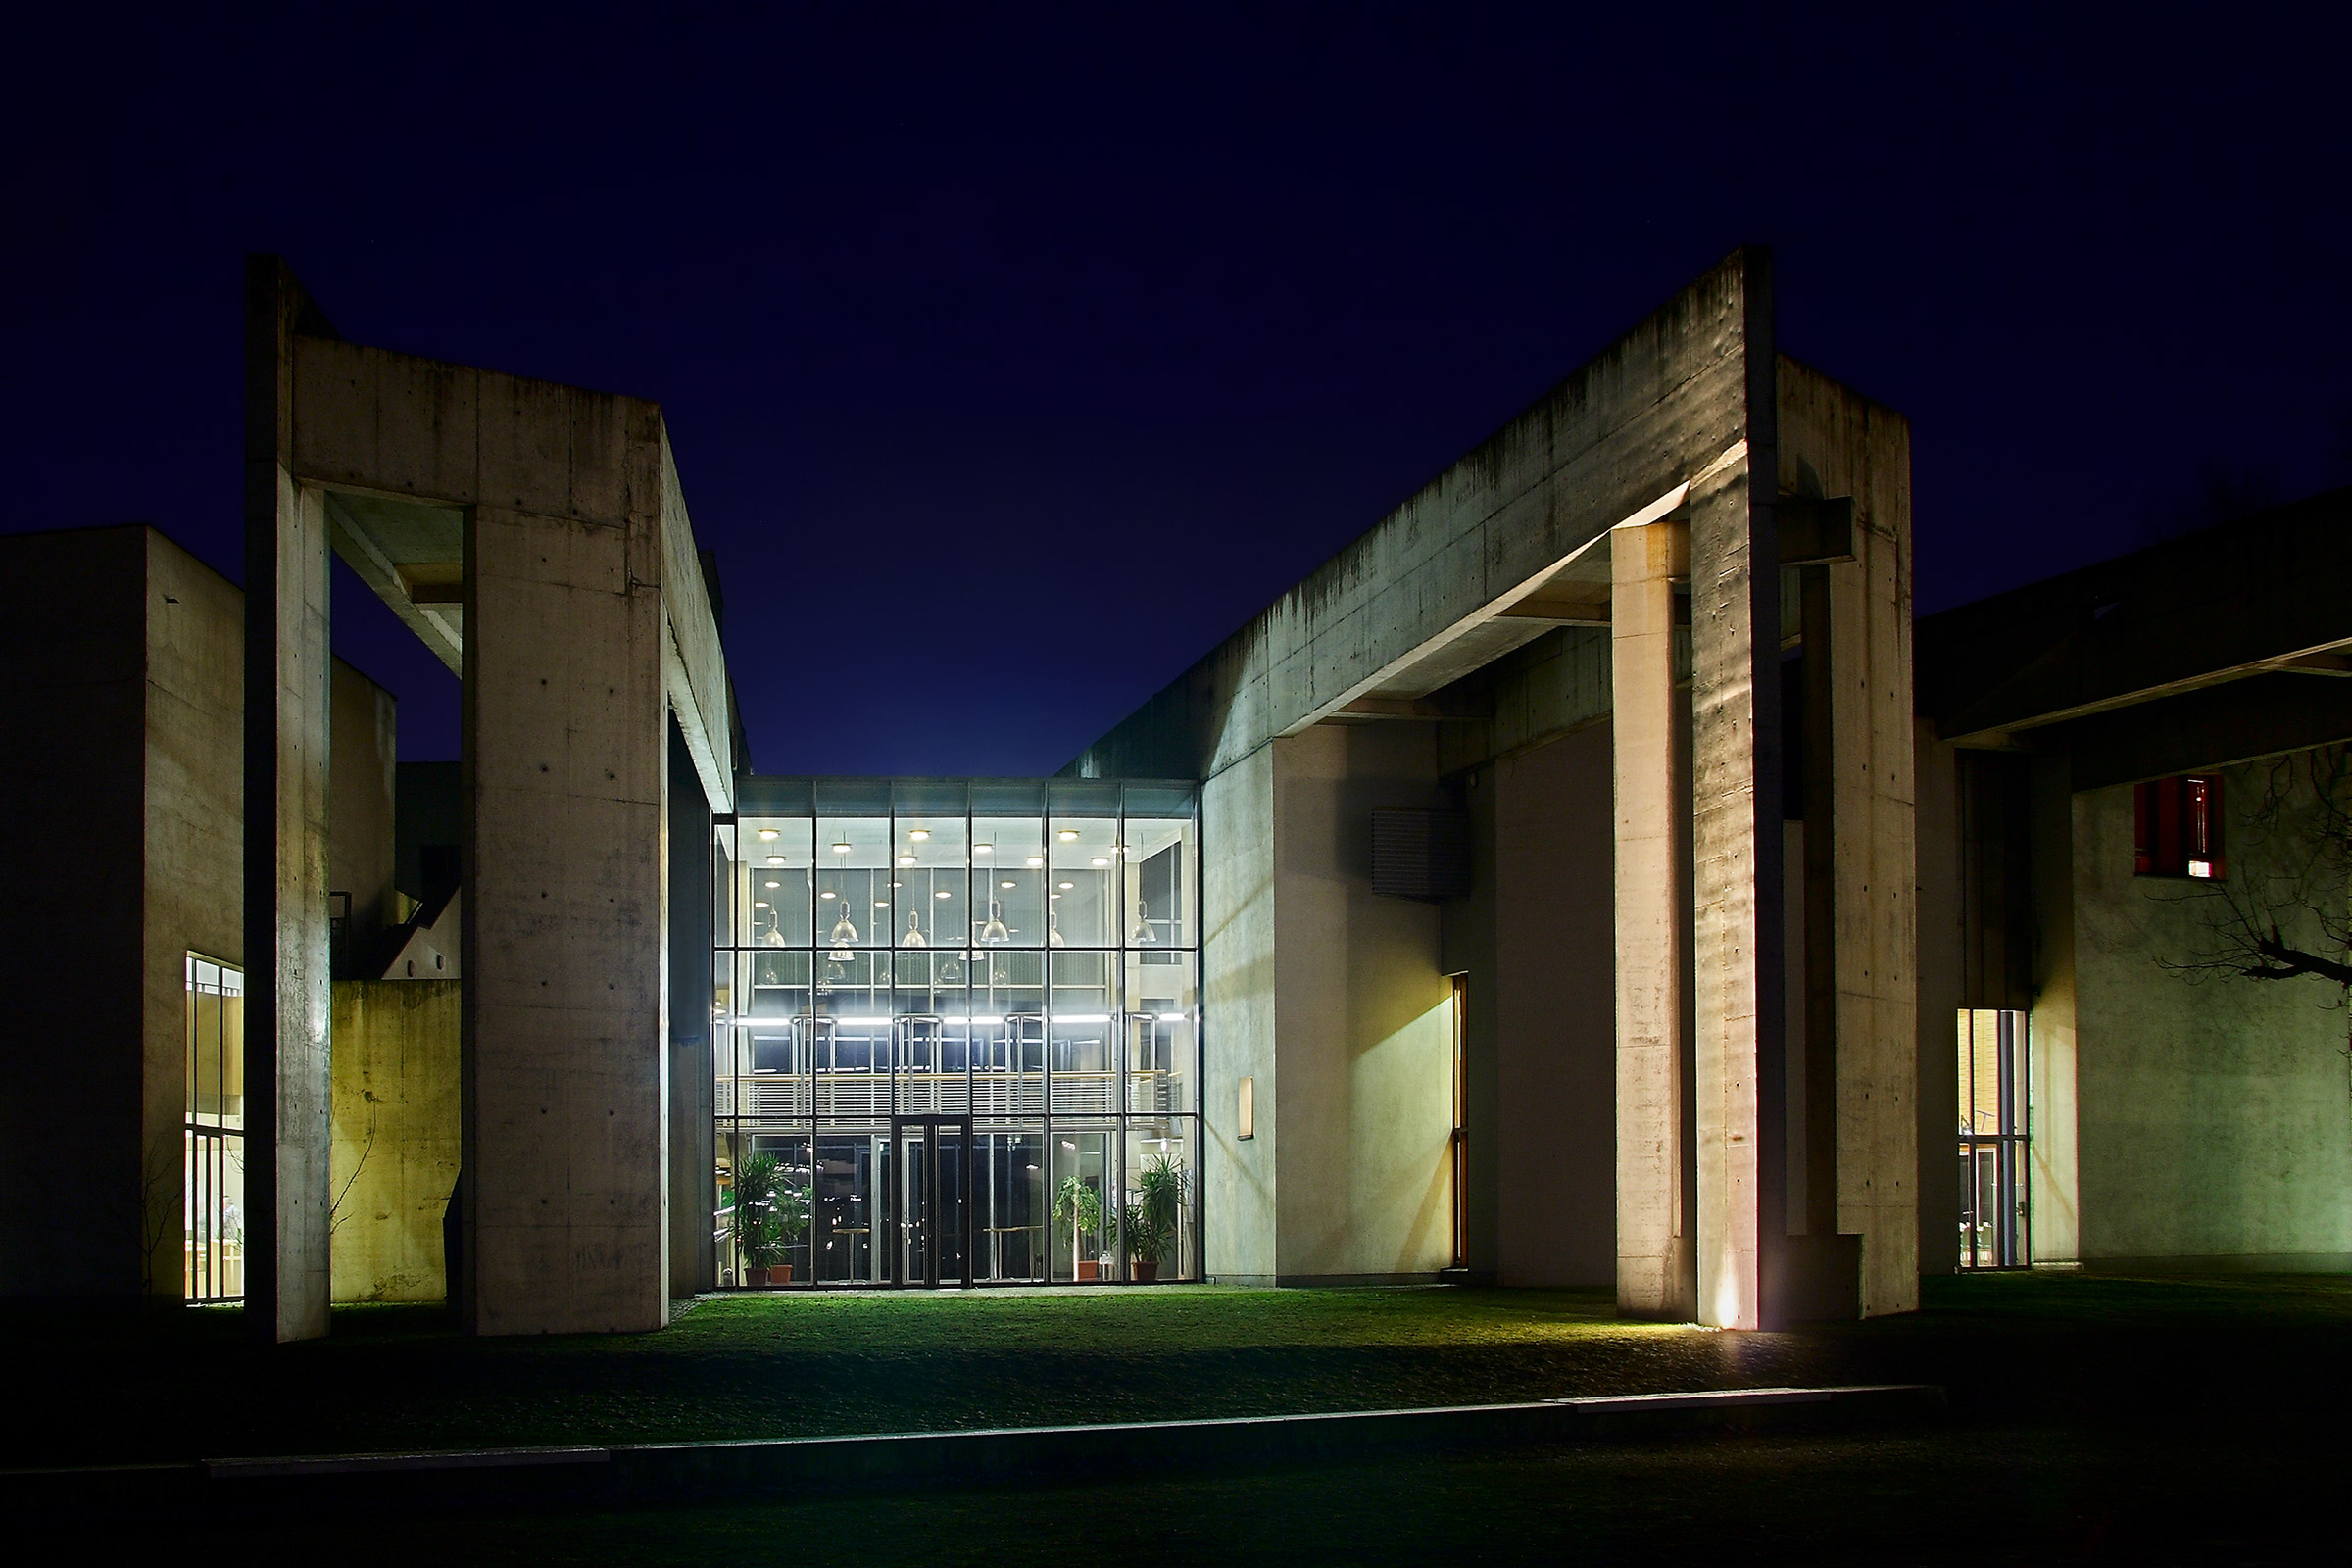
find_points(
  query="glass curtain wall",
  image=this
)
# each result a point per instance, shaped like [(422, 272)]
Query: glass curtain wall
[(1995, 1128), (962, 1017), (212, 1189)]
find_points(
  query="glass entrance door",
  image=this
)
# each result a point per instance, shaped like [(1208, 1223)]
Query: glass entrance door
[(931, 1202)]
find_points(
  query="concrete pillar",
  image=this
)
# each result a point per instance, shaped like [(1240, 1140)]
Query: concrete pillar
[(1741, 1085), (564, 771), (289, 992), (1653, 1250)]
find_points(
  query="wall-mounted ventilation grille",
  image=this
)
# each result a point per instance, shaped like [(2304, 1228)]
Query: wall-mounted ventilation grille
[(1421, 854)]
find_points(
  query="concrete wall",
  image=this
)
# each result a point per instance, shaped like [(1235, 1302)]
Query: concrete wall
[(364, 730), (1363, 1017), (74, 1151), (1241, 1177), (2213, 1117), (1834, 442), (1551, 993), (396, 1136), (2055, 1190), (193, 844)]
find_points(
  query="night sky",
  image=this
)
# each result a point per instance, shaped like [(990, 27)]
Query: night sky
[(1012, 358)]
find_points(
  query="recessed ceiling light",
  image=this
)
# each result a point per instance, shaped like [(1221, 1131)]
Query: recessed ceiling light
[(776, 860), (1037, 860), (767, 835), (1102, 859), (1064, 886), (1004, 884), (758, 904), (897, 884), (1069, 835), (983, 849), (920, 834), (943, 892), (905, 859), (881, 903), (772, 884), (840, 848), (825, 895)]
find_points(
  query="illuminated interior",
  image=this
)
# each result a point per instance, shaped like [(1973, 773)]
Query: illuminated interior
[(941, 1001)]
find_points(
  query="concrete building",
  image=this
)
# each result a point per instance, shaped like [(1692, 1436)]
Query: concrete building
[(1568, 883)]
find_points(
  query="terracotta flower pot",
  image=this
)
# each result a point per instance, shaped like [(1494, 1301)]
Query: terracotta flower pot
[(1089, 1269), (755, 1278), (781, 1274), (1147, 1273)]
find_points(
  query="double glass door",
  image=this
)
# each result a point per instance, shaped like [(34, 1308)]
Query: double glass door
[(930, 1199)]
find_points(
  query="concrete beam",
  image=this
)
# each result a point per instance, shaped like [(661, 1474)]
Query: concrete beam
[(2195, 732)]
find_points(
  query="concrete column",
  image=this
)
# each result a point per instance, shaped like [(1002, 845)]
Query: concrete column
[(1653, 1252), (1741, 1085), (565, 765), (288, 990)]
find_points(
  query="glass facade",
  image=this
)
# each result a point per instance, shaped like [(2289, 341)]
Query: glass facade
[(212, 1200), (962, 1019), (1995, 1128)]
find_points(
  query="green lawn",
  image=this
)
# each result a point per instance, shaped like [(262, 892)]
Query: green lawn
[(2138, 1420)]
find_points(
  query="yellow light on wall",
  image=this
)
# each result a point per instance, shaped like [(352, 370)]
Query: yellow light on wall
[(1245, 1119)]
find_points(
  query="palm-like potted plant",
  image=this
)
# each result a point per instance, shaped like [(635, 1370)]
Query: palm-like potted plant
[(758, 1227), (1149, 1221), (1078, 1204)]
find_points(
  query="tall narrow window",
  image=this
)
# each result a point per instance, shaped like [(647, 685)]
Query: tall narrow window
[(213, 1205), (2176, 827), (1995, 1128)]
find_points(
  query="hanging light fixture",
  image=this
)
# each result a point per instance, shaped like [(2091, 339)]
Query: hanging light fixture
[(951, 971), (1142, 933), (915, 932), (1054, 928), (993, 933), (843, 933)]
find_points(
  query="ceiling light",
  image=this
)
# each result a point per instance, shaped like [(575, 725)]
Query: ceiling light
[(905, 859), (843, 933), (840, 848), (983, 849), (1102, 859), (825, 895), (1142, 932), (1069, 835), (920, 834), (767, 835), (1064, 886), (881, 903), (758, 904), (994, 932), (771, 884), (1037, 860), (1004, 884), (776, 860), (943, 892)]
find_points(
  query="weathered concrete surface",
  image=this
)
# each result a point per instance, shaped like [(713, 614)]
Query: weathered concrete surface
[(1363, 1019), (364, 724), (396, 1137), (2213, 1119), (1237, 831), (1552, 987), (193, 852), (1647, 415), (1834, 442), (285, 809), (1651, 841)]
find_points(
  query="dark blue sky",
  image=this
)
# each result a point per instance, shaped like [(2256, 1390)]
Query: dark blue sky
[(1012, 359)]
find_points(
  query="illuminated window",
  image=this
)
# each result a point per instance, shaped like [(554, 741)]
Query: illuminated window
[(212, 1198), (2177, 828)]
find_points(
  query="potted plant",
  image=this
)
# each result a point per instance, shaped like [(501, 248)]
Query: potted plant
[(1149, 1221), (758, 1227), (1079, 1204)]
